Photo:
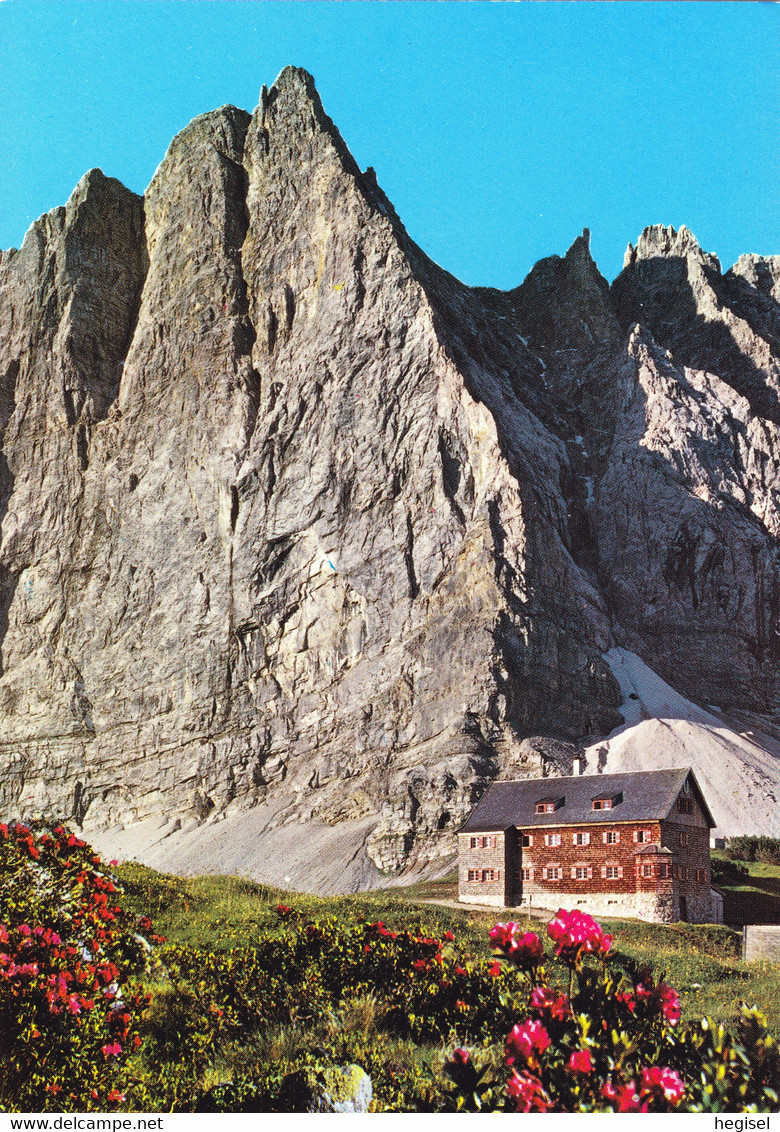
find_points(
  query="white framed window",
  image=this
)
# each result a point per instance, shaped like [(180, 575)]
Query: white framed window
[(552, 872), (527, 873), (642, 836), (602, 803), (647, 870), (611, 837), (474, 875), (483, 842), (552, 838), (526, 840), (683, 838), (581, 872), (490, 874), (663, 871), (612, 872), (580, 838)]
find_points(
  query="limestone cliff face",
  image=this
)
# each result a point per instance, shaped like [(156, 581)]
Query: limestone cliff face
[(290, 516)]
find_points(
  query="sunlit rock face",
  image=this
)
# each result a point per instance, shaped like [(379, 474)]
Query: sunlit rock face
[(294, 522)]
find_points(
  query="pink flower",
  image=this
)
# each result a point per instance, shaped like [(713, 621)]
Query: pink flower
[(503, 935), (626, 999), (545, 1000), (527, 1092), (580, 1061), (624, 1098), (657, 1084), (461, 1056), (112, 1050), (523, 949), (576, 933), (664, 998), (527, 951), (670, 1003), (526, 1040)]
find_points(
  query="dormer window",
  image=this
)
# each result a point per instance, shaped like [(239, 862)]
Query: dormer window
[(548, 805), (607, 801)]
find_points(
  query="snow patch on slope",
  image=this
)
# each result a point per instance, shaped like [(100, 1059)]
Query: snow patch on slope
[(739, 773)]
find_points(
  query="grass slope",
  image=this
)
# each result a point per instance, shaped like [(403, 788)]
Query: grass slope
[(702, 961)]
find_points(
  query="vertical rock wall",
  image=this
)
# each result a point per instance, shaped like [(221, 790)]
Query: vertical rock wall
[(290, 515)]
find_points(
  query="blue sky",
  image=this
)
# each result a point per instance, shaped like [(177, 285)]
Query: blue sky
[(498, 130)]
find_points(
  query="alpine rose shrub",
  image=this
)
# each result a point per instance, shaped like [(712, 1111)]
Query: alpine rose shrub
[(609, 1042), (69, 1013)]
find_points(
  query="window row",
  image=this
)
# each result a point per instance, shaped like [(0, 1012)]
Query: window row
[(480, 875), (483, 842), (584, 837), (577, 872), (611, 872), (601, 802), (676, 872)]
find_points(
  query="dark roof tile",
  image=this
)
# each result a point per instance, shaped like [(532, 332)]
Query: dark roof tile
[(648, 795)]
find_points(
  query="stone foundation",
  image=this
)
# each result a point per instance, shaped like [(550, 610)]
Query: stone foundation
[(488, 898), (659, 908), (761, 943)]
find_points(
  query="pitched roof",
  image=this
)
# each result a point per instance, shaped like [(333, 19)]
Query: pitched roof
[(648, 795)]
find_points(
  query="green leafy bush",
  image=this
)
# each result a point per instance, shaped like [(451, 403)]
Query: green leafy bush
[(766, 849), (610, 1041), (69, 1008)]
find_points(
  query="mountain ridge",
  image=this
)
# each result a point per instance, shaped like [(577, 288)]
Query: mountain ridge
[(294, 521)]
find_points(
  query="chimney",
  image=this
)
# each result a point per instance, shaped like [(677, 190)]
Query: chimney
[(578, 765)]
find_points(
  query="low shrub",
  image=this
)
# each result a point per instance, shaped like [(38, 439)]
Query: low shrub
[(69, 955), (610, 1040), (763, 848)]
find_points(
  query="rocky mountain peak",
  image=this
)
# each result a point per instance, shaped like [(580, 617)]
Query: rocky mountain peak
[(304, 540), (658, 241)]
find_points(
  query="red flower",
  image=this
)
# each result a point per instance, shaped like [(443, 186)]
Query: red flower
[(664, 998), (624, 1098), (526, 1040), (449, 937), (580, 1061), (545, 1000), (527, 1093), (657, 1084), (576, 933), (503, 935), (495, 970), (670, 1003), (626, 999), (460, 1056)]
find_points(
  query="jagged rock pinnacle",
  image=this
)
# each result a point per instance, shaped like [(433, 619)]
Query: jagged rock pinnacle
[(295, 523)]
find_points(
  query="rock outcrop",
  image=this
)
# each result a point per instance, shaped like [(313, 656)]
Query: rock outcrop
[(294, 522)]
